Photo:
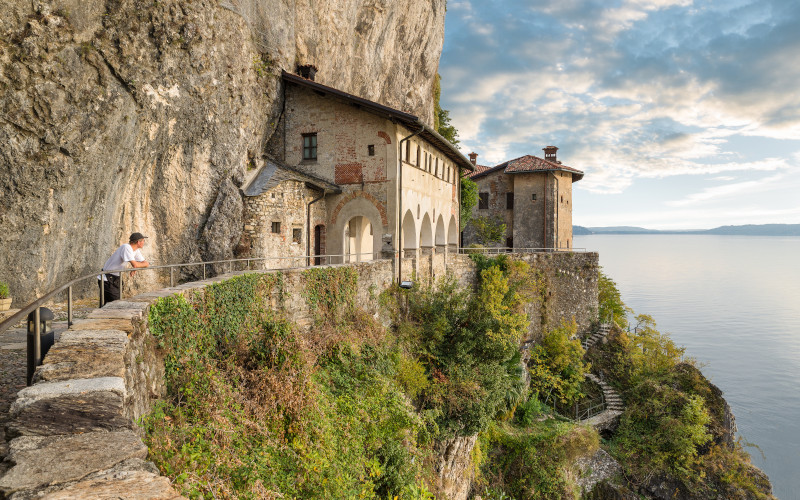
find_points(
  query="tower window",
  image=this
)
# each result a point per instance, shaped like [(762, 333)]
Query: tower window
[(483, 201), (297, 235), (276, 227), (533, 197), (310, 146), (371, 150)]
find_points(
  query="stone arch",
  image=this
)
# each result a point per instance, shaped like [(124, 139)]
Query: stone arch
[(426, 232), (441, 236), (352, 196), (358, 239), (409, 231), (383, 135), (452, 232), (338, 231)]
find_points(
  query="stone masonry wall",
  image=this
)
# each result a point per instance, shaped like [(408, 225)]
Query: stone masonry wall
[(73, 432)]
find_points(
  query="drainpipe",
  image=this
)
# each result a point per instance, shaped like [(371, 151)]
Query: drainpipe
[(308, 226), (544, 216), (400, 200), (558, 206)]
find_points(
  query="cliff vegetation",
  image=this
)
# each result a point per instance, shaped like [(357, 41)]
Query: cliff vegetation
[(435, 400)]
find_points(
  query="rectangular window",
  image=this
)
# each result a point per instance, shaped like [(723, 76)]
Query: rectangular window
[(408, 151), (509, 242), (276, 227), (483, 201), (419, 155), (436, 168), (297, 234), (509, 200), (310, 146), (533, 197), (371, 150)]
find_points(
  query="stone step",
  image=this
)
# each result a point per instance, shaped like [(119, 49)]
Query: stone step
[(69, 407), (43, 461)]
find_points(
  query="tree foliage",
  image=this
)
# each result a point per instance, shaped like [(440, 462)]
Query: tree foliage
[(469, 198), (489, 229), (557, 367), (610, 301), (442, 116)]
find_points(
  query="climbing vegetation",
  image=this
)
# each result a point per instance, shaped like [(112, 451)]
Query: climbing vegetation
[(557, 367)]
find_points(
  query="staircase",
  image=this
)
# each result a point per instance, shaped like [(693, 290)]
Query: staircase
[(600, 334), (612, 398)]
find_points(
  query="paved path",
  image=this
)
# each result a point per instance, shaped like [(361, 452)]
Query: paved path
[(13, 362)]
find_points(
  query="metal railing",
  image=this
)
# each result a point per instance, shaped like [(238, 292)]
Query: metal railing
[(499, 250), (36, 305), (591, 408)]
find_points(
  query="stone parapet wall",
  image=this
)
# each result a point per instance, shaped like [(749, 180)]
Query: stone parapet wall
[(73, 432)]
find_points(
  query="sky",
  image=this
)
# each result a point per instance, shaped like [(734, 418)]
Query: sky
[(682, 114)]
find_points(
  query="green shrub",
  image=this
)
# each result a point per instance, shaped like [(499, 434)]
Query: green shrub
[(556, 366), (4, 290), (610, 301)]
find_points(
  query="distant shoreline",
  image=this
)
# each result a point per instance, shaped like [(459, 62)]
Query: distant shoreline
[(743, 230)]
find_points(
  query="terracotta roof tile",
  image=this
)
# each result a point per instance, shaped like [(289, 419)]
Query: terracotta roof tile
[(527, 163)]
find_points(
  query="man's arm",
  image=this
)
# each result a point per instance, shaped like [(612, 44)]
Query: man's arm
[(143, 263)]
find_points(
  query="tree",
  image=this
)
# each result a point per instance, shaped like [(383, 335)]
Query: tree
[(442, 116), (469, 198), (489, 229)]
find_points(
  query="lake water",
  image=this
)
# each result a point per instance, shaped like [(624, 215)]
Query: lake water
[(734, 303)]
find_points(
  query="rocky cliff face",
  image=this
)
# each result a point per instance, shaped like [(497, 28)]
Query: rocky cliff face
[(141, 115)]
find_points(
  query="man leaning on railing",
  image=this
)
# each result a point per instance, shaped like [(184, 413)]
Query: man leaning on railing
[(130, 252)]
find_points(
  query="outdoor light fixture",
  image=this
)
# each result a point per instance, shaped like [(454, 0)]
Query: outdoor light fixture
[(406, 284)]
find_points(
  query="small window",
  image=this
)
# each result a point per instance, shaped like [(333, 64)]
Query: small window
[(509, 242), (483, 201), (436, 169), (419, 153), (533, 197), (276, 227), (297, 235), (371, 150), (509, 200), (310, 146), (408, 151), (562, 198)]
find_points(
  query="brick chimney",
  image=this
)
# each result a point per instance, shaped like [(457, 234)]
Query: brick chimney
[(307, 71), (473, 158), (550, 153)]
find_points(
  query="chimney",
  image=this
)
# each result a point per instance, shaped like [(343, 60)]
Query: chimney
[(550, 153), (473, 157), (307, 71)]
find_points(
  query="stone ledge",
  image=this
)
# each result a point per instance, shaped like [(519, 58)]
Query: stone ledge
[(129, 314), (46, 461)]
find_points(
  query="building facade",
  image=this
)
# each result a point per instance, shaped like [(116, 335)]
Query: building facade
[(352, 180), (532, 196)]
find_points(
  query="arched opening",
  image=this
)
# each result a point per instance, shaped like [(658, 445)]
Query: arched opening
[(426, 233), (409, 232), (358, 237), (452, 234), (319, 243), (441, 236)]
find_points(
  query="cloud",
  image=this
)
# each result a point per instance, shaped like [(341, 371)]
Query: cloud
[(628, 89), (726, 191)]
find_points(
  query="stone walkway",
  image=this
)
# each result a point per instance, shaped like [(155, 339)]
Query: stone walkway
[(13, 360)]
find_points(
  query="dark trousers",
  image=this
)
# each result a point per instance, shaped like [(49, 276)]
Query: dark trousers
[(110, 288)]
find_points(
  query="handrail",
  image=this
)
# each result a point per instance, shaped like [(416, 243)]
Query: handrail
[(23, 312), (498, 250)]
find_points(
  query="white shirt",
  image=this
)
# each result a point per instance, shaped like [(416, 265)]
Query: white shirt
[(120, 258)]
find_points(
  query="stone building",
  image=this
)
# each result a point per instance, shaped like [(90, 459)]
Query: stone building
[(351, 180), (531, 195)]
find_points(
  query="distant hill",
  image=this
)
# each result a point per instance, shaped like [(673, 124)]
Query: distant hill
[(744, 230)]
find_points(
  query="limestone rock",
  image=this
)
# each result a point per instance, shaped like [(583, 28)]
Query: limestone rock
[(44, 461), (454, 470), (69, 407), (595, 469), (128, 116), (136, 485)]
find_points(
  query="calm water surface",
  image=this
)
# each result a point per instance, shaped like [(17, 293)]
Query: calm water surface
[(734, 303)]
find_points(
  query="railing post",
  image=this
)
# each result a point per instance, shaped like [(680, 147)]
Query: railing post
[(171, 276), (69, 306), (120, 285), (102, 289), (37, 337), (204, 270)]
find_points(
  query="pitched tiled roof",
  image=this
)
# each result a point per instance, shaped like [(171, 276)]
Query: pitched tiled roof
[(478, 170), (273, 173), (526, 164)]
